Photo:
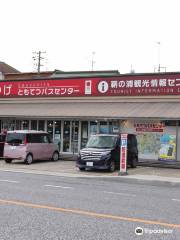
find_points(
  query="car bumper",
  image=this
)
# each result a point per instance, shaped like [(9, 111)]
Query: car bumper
[(99, 164)]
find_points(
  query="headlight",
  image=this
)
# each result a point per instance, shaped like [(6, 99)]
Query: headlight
[(105, 155)]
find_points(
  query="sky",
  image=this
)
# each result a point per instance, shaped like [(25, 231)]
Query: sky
[(119, 35)]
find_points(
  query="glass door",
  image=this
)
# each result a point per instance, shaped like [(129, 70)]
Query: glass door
[(84, 133), (74, 136), (66, 136), (57, 133), (50, 128)]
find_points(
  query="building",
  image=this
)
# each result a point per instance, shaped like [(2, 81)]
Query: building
[(5, 68), (73, 105)]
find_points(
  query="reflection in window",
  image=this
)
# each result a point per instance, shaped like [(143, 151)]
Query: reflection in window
[(33, 124), (103, 127), (66, 136), (50, 128), (25, 124), (57, 135), (114, 127), (84, 134), (41, 125), (93, 128), (18, 124), (75, 134)]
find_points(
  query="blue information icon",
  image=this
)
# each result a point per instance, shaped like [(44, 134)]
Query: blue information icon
[(123, 142)]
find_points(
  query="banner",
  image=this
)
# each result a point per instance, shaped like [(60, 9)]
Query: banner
[(123, 154), (167, 150), (130, 85)]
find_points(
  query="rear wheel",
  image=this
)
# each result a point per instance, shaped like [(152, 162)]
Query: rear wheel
[(8, 160), (134, 163), (55, 156), (29, 159)]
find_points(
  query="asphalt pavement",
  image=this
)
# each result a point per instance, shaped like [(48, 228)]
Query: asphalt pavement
[(50, 207)]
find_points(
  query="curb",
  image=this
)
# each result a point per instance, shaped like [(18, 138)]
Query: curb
[(132, 179)]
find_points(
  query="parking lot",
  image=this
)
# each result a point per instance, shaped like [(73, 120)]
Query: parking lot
[(61, 166), (69, 168)]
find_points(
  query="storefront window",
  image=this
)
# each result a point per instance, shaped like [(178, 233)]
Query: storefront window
[(149, 144), (66, 137), (170, 123), (57, 134), (93, 128), (41, 126), (103, 128), (84, 134), (156, 140), (168, 146), (8, 125), (33, 124), (114, 127), (25, 124), (74, 136), (18, 124), (50, 128)]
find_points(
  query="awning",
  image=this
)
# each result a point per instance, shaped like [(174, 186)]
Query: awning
[(91, 110)]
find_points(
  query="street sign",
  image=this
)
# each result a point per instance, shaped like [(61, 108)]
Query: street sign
[(123, 155)]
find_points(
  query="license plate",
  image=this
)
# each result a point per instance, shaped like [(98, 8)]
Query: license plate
[(13, 147), (89, 164)]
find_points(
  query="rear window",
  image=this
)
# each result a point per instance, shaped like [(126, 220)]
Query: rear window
[(15, 138), (38, 138)]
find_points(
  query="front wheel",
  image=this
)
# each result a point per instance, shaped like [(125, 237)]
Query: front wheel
[(81, 168), (29, 159), (8, 160), (134, 163), (55, 156), (112, 166)]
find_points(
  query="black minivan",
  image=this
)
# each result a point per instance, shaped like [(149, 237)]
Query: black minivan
[(103, 152)]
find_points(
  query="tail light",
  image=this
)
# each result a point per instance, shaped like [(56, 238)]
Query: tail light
[(25, 140)]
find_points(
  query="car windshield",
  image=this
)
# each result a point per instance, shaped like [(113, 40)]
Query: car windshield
[(15, 138), (101, 142)]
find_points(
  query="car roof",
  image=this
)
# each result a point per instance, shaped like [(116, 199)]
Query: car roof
[(112, 135), (108, 135), (26, 131)]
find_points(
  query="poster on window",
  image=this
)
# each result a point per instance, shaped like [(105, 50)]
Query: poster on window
[(167, 150)]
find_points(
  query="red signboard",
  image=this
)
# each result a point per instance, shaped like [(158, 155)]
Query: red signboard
[(123, 154), (149, 85), (149, 127)]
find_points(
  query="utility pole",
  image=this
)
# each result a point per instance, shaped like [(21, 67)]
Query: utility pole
[(159, 65), (92, 61), (38, 57)]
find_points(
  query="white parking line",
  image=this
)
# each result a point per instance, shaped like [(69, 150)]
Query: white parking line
[(122, 194), (55, 186), (9, 181), (174, 199)]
